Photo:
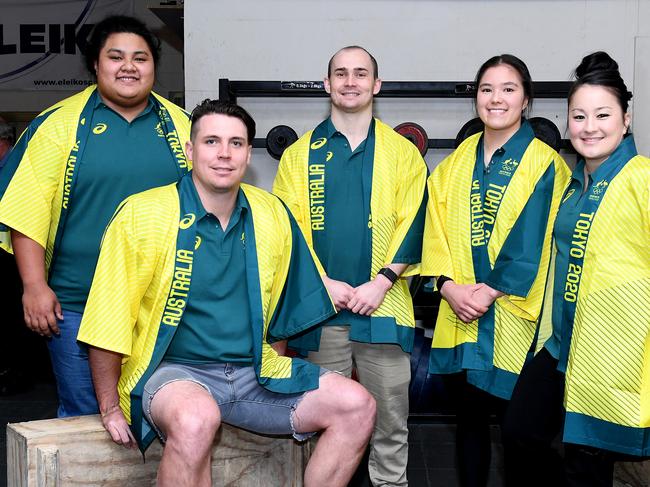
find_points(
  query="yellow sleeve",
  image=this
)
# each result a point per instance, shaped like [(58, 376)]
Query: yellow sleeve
[(411, 190), (124, 270), (436, 253), (287, 189), (28, 203), (290, 189)]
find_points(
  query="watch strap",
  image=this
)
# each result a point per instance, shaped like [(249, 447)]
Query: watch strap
[(389, 274)]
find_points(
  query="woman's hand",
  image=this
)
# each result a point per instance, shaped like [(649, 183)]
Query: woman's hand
[(462, 300)]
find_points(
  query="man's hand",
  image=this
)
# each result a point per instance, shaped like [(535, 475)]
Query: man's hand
[(340, 292), (105, 367), (369, 296), (461, 299), (41, 309), (115, 423), (40, 305)]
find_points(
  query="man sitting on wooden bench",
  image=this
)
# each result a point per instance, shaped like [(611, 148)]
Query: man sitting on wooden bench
[(194, 282)]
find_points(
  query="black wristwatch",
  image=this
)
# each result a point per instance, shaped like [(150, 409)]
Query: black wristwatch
[(388, 273), (440, 281)]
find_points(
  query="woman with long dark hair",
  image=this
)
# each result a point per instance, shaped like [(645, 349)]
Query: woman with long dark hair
[(487, 240)]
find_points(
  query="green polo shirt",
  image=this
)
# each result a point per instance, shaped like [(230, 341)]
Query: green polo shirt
[(510, 273), (567, 216), (216, 325), (120, 159), (344, 247), (562, 233)]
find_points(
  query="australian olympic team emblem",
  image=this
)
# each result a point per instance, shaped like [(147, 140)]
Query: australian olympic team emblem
[(600, 186), (508, 167), (598, 189)]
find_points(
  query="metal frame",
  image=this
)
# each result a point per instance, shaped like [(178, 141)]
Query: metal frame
[(231, 90)]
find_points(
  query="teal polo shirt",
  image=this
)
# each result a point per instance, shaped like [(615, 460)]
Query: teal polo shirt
[(567, 216), (120, 159), (216, 324), (345, 246), (522, 249), (562, 236)]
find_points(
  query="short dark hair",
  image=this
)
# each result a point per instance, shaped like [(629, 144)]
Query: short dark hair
[(599, 69), (375, 67), (118, 24), (208, 107), (515, 63)]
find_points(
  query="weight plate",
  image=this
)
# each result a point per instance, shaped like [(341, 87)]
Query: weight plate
[(472, 127), (416, 134), (546, 131), (279, 138)]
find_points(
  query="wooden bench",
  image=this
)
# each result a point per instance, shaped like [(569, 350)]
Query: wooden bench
[(78, 451)]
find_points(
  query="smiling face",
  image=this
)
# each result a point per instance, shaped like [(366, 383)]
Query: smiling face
[(352, 83), (125, 72), (597, 123), (220, 154), (500, 99)]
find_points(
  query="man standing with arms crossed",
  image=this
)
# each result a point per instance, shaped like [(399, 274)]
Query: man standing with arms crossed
[(357, 190), (194, 282)]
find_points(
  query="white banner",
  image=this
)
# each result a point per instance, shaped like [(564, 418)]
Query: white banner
[(41, 41)]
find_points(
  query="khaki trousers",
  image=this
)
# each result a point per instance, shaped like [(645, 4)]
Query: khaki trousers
[(385, 371)]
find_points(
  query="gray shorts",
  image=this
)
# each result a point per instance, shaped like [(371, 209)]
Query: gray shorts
[(242, 401)]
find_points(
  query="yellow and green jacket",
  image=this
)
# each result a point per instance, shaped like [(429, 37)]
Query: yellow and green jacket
[(515, 260), (397, 189), (142, 280), (605, 330), (38, 181)]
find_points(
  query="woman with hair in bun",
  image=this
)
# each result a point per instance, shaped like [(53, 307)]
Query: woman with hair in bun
[(592, 378), (487, 240), (66, 176)]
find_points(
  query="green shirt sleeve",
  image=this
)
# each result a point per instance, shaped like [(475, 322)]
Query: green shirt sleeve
[(517, 264), (410, 252), (304, 302)]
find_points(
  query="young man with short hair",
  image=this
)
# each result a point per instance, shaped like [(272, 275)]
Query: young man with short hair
[(194, 283), (357, 190)]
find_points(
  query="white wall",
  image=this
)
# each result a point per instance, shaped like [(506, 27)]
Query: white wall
[(433, 40)]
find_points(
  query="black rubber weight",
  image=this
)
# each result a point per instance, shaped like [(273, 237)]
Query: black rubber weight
[(472, 127), (279, 138), (546, 131)]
